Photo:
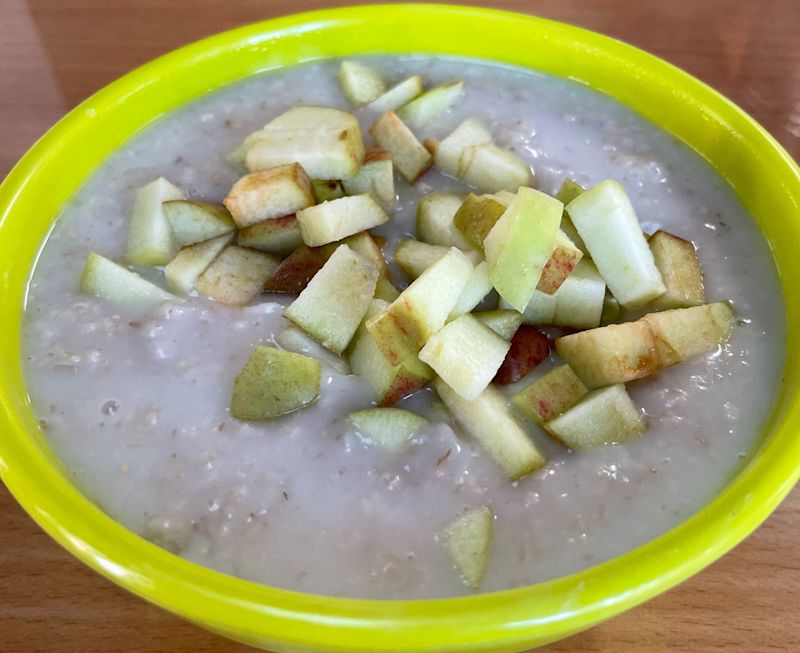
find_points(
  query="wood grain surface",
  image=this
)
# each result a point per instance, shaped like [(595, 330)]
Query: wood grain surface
[(53, 53)]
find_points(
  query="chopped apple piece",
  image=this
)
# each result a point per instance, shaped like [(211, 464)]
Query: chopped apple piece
[(326, 142), (448, 154), (466, 354), (676, 260), (331, 306), (505, 197), (430, 105), (389, 428), (150, 240), (182, 272), (271, 193), (551, 394), (684, 333), (116, 284), (468, 540), (491, 169), (278, 236), (435, 214), (239, 154), (414, 257), (385, 291), (611, 310), (398, 95), (337, 219), (602, 417), (476, 216), (295, 271), (391, 383), (478, 286), (611, 232), (237, 275), (529, 347), (569, 191), (361, 243), (274, 382), (409, 155), (503, 322), (489, 420), (562, 261), (422, 308), (360, 84), (325, 190), (293, 339), (520, 243), (376, 177), (193, 222)]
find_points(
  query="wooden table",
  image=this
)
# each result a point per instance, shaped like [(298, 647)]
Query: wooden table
[(53, 53)]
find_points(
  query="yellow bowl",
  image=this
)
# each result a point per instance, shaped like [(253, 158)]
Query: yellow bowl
[(763, 175)]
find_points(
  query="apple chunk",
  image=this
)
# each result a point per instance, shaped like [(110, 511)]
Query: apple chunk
[(337, 219), (182, 272), (430, 105), (414, 257), (466, 354), (602, 417), (488, 419), (385, 290), (278, 236), (477, 287), (560, 264), (116, 284), (376, 177), (684, 333), (325, 190), (605, 219), (503, 322), (193, 222), (435, 215), (398, 95), (676, 260), (331, 306), (410, 157), (294, 339), (150, 240), (569, 191), (237, 275), (274, 382), (520, 243), (551, 394), (449, 153), (361, 243), (360, 84), (295, 271), (476, 216), (389, 428), (529, 347), (491, 169), (468, 540)]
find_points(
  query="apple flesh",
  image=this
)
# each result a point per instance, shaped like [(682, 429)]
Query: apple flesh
[(410, 157), (192, 221), (376, 177), (477, 287), (398, 95), (676, 260), (119, 286), (182, 272), (430, 105), (236, 276), (389, 428), (468, 540), (551, 394), (529, 347), (448, 154), (293, 339), (278, 236), (435, 215), (150, 240), (334, 220), (414, 257), (360, 84), (569, 191), (490, 169), (325, 190), (684, 333), (294, 272), (560, 264), (476, 216), (384, 290), (274, 382), (362, 243), (503, 322)]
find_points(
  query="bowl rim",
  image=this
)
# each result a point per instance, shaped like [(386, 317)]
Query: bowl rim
[(537, 614)]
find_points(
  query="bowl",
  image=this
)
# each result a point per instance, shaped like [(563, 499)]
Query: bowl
[(759, 170)]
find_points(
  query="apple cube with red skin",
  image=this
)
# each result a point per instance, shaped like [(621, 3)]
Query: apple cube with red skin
[(295, 271), (562, 261), (550, 395), (529, 347)]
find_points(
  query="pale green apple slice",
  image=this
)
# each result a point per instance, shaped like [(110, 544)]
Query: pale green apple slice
[(293, 339), (150, 240), (448, 154), (409, 156), (385, 291), (360, 84), (389, 428), (684, 333), (414, 257), (430, 105), (331, 306), (237, 275), (478, 286), (503, 322), (274, 382), (398, 95), (361, 243), (466, 355), (331, 221), (491, 169), (520, 243), (117, 285), (325, 190), (376, 177), (476, 216), (422, 308), (270, 193), (551, 394), (435, 215), (182, 272), (676, 260), (605, 219), (569, 191), (468, 540), (278, 236), (560, 264), (488, 419), (192, 221), (602, 417), (326, 142)]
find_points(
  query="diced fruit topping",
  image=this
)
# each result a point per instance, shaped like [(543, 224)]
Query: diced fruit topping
[(551, 394), (562, 261), (488, 419), (390, 428), (435, 215), (476, 216), (331, 306), (684, 333), (602, 417), (337, 219), (237, 275), (119, 286), (279, 236), (398, 95), (448, 154), (529, 347), (376, 177), (430, 105), (569, 191), (676, 260), (274, 382), (361, 243), (360, 83), (468, 540), (466, 354), (295, 271), (414, 257), (503, 322), (182, 272), (293, 339), (385, 291), (477, 287), (410, 157), (325, 190), (611, 310), (491, 168), (193, 222), (605, 219), (271, 193), (150, 240)]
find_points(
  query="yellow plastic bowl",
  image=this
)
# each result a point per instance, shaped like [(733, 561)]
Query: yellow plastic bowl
[(763, 175)]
